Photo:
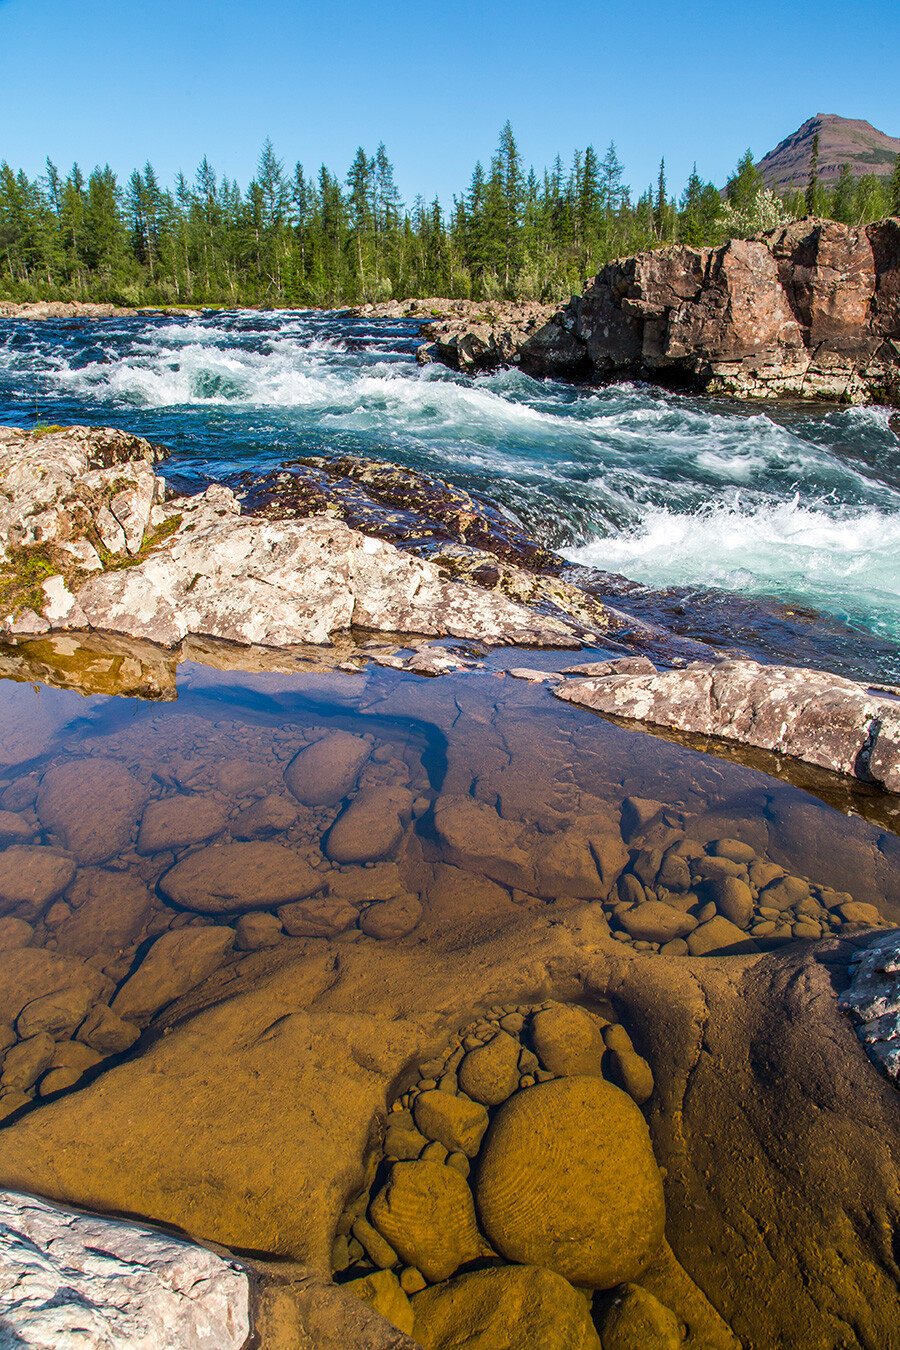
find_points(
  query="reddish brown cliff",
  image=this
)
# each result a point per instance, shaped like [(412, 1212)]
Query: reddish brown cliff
[(810, 310)]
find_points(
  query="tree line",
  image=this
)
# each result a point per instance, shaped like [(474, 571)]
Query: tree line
[(298, 239)]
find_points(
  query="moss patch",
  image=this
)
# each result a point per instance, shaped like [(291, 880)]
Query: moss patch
[(22, 575)]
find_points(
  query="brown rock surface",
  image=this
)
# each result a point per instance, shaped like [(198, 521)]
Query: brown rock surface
[(173, 965), (810, 714), (110, 909), (234, 877), (32, 876), (506, 1308), (91, 805), (323, 773), (370, 826), (425, 1212), (175, 822), (801, 311)]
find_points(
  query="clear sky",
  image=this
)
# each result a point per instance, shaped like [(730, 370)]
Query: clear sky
[(171, 80)]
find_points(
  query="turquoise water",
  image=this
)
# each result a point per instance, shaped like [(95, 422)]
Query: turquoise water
[(746, 513)]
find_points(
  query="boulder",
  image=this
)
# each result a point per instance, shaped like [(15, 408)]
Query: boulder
[(506, 1308), (370, 826), (319, 916), (719, 937), (24, 1063), (176, 822), (271, 815), (29, 973), (365, 885), (15, 829), (92, 806), (32, 876), (392, 919), (232, 878), (454, 1121), (105, 1032), (655, 921), (325, 772), (110, 911), (14, 933), (636, 1320), (256, 931), (381, 1291), (174, 964), (568, 1041), (425, 1212), (70, 1279), (567, 1180), (58, 1013), (490, 1073), (820, 718)]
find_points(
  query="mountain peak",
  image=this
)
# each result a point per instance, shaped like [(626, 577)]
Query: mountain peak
[(842, 140)]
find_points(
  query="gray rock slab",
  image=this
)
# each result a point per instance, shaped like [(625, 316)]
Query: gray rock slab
[(69, 1279)]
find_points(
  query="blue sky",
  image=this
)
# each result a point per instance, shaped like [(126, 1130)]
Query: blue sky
[(172, 80)]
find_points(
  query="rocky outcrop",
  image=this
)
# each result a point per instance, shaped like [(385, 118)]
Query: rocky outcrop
[(809, 310), (75, 1279), (468, 335), (75, 309), (86, 541), (873, 1001), (809, 714)]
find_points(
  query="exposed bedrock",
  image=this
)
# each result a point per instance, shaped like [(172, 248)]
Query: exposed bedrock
[(804, 1145), (809, 310)]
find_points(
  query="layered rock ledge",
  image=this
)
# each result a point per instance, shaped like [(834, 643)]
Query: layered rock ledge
[(810, 310)]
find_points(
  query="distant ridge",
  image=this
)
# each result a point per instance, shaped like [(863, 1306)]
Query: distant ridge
[(842, 140)]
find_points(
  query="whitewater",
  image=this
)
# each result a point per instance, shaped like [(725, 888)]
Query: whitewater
[(796, 506)]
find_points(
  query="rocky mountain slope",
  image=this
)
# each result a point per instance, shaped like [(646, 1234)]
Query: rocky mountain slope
[(842, 140)]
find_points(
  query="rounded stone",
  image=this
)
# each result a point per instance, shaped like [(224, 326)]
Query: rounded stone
[(735, 849), (784, 893), (490, 1074), (636, 1320), (655, 921), (370, 826), (176, 822), (391, 919), (233, 878), (568, 1041), (92, 805), (733, 899), (568, 1181), (505, 1308), (456, 1122), (860, 914), (425, 1212), (32, 876), (319, 916), (323, 773)]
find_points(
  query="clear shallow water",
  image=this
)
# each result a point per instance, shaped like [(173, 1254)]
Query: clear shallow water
[(797, 503)]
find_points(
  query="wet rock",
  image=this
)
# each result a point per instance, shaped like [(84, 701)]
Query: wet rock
[(866, 916), (816, 717), (370, 826), (30, 972), (637, 812), (14, 933), (282, 582), (568, 1180), (454, 1121), (655, 921), (506, 1308), (565, 865), (382, 1291), (174, 964), (242, 777), (784, 893), (271, 815), (92, 806), (719, 937), (476, 838), (15, 829), (735, 849), (107, 1033), (568, 1041), (320, 916), (256, 931), (32, 876), (733, 899), (26, 1061), (325, 772), (75, 1055), (392, 919), (490, 1073), (637, 1321), (364, 885), (402, 1141), (111, 910), (229, 878), (425, 1212), (59, 1013), (176, 822), (71, 1279)]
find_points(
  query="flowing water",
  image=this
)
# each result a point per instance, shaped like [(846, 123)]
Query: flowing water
[(794, 510), (243, 915)]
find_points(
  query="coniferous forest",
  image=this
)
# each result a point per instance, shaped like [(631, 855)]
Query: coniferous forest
[(295, 239)]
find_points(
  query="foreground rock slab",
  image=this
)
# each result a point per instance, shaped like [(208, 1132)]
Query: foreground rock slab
[(71, 1279), (809, 714)]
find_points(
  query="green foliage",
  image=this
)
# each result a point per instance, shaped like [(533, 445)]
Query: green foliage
[(21, 575), (298, 239)]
